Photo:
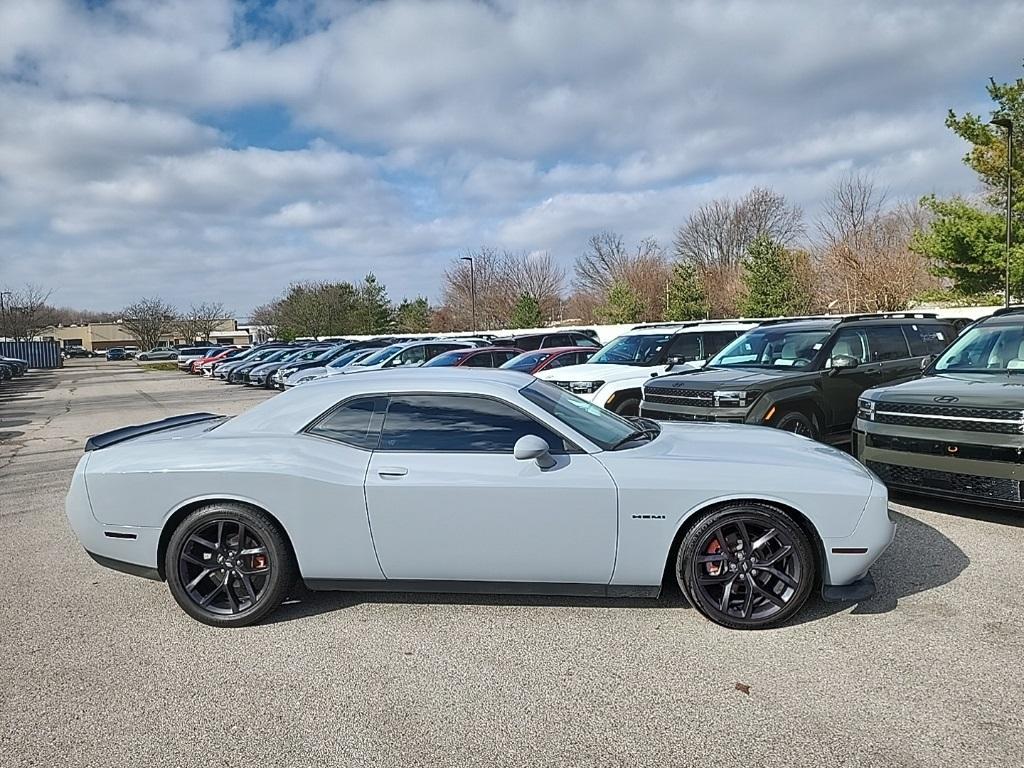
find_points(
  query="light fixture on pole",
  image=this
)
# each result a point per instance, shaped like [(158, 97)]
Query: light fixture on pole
[(472, 289), (1007, 123), (3, 313)]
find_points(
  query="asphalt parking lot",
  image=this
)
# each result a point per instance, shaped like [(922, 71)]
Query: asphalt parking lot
[(100, 668)]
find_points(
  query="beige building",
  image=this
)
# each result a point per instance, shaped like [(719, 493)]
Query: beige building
[(102, 336)]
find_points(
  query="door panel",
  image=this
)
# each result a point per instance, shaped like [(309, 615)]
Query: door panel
[(842, 388), (491, 517)]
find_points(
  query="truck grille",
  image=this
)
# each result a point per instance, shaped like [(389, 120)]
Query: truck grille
[(942, 448), (993, 420), (953, 483), (695, 397)]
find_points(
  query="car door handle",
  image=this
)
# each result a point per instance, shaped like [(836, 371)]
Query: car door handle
[(392, 471)]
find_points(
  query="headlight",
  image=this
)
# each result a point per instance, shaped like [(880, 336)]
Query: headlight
[(866, 409), (287, 371), (727, 398), (585, 387), (304, 379)]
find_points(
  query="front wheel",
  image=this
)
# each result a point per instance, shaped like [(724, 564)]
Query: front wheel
[(797, 423), (628, 407), (228, 565), (746, 566)]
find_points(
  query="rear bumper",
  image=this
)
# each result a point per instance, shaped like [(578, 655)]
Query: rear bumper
[(862, 589)]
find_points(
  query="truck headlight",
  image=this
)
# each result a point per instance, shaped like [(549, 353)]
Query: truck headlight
[(727, 398), (585, 387), (866, 409)]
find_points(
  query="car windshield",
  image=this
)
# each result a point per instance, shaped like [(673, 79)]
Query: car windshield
[(193, 351), (526, 361), (633, 349), (600, 426), (350, 357), (985, 349), (773, 348), (382, 355), (447, 359)]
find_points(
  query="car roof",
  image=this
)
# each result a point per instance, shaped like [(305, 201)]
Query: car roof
[(661, 329), (293, 409)]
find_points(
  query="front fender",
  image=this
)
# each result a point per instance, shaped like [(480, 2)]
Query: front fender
[(802, 393)]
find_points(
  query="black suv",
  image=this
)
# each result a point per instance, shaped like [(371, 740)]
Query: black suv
[(803, 376), (531, 341)]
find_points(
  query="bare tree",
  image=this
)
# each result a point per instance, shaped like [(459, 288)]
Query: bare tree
[(267, 319), (716, 236), (608, 262), (148, 320), (200, 321), (25, 312), (864, 257)]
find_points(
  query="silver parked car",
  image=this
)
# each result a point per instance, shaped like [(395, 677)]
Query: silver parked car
[(474, 480)]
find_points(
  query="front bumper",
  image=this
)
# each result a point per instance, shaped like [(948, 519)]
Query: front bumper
[(848, 558), (667, 412)]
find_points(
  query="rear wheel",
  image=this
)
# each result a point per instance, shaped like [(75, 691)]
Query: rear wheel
[(746, 566), (228, 565)]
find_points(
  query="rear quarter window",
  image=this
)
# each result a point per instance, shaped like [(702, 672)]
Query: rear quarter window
[(928, 339)]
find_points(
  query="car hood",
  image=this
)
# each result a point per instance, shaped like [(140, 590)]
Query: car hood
[(733, 378), (742, 443), (304, 373), (607, 372), (983, 390)]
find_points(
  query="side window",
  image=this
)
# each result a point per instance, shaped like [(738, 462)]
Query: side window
[(582, 357), (458, 424), (886, 343), (356, 423), (528, 343), (500, 358), (849, 342), (928, 339), (582, 340), (716, 341), (685, 345), (561, 360), (560, 340), (411, 356), (480, 360)]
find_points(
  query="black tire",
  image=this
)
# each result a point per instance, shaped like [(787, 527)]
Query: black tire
[(239, 592), (798, 423), (743, 588), (628, 407)]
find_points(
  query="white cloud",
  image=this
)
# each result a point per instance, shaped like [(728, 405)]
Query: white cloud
[(436, 126)]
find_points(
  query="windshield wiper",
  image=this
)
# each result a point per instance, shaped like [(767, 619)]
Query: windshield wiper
[(650, 432)]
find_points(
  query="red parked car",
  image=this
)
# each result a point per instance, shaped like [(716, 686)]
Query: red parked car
[(477, 357), (551, 357), (197, 365)]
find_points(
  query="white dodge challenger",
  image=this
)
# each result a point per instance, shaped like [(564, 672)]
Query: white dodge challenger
[(445, 480)]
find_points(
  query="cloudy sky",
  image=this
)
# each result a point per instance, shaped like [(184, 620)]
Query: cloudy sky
[(210, 150)]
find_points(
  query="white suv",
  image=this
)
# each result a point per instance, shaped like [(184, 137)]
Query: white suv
[(613, 377)]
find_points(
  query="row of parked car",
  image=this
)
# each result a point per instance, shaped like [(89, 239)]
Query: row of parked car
[(11, 367), (955, 426)]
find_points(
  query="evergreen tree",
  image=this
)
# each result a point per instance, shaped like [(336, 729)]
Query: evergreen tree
[(373, 309), (413, 316), (773, 285), (526, 313), (622, 305), (686, 298)]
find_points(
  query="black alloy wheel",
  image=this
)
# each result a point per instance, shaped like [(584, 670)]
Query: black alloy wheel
[(797, 423), (746, 567), (228, 565)]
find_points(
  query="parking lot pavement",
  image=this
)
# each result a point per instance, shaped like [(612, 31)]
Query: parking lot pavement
[(99, 668)]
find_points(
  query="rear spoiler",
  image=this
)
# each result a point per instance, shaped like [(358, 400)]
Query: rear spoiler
[(105, 439)]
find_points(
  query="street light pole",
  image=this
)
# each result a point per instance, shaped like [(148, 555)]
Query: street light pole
[(1007, 123), (472, 289)]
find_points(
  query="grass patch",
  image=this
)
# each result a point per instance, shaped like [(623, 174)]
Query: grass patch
[(161, 365)]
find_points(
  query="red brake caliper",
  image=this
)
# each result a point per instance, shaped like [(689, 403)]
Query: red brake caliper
[(714, 568)]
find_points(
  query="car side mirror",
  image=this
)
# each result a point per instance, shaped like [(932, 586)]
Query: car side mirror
[(843, 362), (926, 361), (674, 360), (530, 447)]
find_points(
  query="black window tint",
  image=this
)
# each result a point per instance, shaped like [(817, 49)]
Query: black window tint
[(685, 345), (457, 424), (480, 360), (928, 339), (503, 357), (886, 343), (582, 357), (581, 340), (716, 341), (355, 423), (557, 341), (561, 360), (527, 343)]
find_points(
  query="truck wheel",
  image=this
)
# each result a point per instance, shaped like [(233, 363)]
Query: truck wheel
[(797, 423), (628, 407)]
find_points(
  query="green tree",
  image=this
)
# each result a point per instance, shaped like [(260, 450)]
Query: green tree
[(373, 311), (526, 313), (623, 305), (413, 316), (772, 281), (967, 245), (686, 298)]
